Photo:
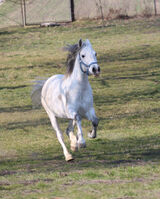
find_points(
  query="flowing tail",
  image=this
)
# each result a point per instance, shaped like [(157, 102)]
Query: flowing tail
[(36, 93)]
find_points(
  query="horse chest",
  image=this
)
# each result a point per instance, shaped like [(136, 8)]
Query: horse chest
[(81, 99)]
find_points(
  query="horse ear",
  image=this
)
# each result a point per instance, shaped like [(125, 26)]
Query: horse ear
[(88, 42), (80, 43)]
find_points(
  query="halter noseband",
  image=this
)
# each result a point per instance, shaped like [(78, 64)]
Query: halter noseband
[(86, 65)]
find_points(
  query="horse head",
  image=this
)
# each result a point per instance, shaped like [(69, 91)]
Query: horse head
[(88, 58)]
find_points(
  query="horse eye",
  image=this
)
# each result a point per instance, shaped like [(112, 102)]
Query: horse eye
[(83, 56)]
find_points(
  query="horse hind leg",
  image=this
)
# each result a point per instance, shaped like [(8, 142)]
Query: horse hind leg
[(72, 137), (68, 156)]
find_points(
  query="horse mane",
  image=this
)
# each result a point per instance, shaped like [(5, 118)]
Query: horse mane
[(72, 54)]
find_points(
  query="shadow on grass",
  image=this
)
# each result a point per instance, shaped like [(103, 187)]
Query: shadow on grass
[(44, 65), (149, 93), (143, 52), (12, 87), (23, 125), (155, 112), (16, 109), (135, 76), (19, 30), (99, 100), (99, 154), (31, 123)]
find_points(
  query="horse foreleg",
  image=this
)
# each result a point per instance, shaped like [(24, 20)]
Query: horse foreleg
[(72, 137), (93, 132), (92, 117), (74, 116)]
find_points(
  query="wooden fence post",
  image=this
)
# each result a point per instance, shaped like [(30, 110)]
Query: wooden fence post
[(155, 7), (72, 10), (25, 16), (22, 13)]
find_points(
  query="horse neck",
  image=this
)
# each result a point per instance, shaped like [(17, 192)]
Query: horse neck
[(77, 74)]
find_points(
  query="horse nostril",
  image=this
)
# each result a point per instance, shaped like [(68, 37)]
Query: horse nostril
[(93, 70), (99, 69)]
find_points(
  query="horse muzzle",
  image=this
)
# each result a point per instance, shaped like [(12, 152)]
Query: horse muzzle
[(96, 71)]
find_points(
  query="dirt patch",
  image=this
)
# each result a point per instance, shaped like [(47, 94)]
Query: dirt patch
[(7, 172), (109, 182), (4, 183), (103, 182), (30, 182), (27, 182), (130, 197)]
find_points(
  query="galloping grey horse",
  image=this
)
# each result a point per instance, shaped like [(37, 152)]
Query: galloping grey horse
[(70, 95)]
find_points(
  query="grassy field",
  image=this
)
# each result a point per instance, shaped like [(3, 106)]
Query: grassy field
[(124, 161)]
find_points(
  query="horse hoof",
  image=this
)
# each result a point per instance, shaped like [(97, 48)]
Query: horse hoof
[(92, 135), (69, 158), (74, 148), (82, 145)]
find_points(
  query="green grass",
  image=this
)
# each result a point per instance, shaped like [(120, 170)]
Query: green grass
[(124, 160)]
